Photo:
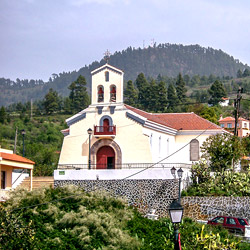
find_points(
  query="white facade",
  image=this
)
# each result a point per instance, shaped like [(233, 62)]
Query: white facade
[(133, 140)]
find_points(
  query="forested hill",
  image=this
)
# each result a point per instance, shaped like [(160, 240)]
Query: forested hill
[(164, 59)]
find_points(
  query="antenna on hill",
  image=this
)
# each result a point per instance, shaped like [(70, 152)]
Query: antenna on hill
[(107, 55), (153, 42)]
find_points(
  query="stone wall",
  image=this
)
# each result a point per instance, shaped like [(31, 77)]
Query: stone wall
[(205, 208), (143, 194)]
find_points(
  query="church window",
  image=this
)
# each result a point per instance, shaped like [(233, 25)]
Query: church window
[(106, 76), (100, 94), (194, 150), (112, 93)]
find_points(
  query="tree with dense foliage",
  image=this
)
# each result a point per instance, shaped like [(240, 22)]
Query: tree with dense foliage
[(78, 94), (162, 101), (69, 218), (172, 98), (239, 73), (180, 89), (143, 89), (51, 102), (209, 113), (222, 151), (3, 115), (130, 94), (246, 73), (216, 91)]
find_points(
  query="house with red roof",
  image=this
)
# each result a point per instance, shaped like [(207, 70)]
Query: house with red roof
[(9, 162), (243, 125), (112, 140)]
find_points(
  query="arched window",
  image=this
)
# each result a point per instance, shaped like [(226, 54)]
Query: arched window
[(112, 93), (100, 94), (106, 76), (106, 124), (194, 150)]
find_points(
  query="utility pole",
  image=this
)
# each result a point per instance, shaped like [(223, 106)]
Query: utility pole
[(237, 110)]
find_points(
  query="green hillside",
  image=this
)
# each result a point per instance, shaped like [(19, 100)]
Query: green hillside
[(164, 59)]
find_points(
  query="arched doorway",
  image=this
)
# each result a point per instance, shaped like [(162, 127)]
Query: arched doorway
[(105, 158)]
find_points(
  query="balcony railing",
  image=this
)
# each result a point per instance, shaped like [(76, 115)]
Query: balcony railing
[(124, 166), (105, 130)]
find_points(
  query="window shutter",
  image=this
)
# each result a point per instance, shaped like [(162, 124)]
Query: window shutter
[(194, 150)]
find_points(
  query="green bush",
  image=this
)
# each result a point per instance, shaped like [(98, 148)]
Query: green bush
[(225, 183), (69, 218)]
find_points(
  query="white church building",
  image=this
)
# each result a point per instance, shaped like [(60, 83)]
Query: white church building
[(110, 140)]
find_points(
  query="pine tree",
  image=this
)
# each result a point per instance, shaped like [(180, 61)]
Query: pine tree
[(51, 101), (172, 98), (130, 94), (239, 73), (246, 73), (143, 89), (216, 91), (161, 102), (151, 97), (78, 94), (2, 115), (180, 89)]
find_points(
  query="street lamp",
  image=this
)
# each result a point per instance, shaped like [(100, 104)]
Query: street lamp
[(176, 212), (179, 173), (23, 133), (89, 133)]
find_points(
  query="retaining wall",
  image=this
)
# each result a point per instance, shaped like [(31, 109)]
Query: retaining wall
[(143, 194), (205, 208)]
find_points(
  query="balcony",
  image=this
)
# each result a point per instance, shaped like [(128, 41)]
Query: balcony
[(105, 130)]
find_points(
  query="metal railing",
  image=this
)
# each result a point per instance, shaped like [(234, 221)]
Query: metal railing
[(125, 166), (104, 130)]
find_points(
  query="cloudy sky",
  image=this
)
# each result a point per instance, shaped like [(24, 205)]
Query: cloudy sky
[(42, 37)]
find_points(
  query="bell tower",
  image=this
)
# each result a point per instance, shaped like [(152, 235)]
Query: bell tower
[(107, 84)]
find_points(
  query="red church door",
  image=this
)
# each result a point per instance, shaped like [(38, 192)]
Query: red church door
[(105, 158)]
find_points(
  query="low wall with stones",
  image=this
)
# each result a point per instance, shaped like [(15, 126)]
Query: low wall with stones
[(143, 194), (205, 208)]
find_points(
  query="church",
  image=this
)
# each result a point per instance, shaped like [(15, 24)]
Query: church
[(112, 140), (128, 152)]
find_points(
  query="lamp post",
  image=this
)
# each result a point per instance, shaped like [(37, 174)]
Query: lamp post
[(176, 212), (23, 134), (89, 133), (179, 173)]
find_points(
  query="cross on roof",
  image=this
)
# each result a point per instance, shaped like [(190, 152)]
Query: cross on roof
[(107, 55)]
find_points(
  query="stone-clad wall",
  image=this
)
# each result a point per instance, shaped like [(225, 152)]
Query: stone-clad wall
[(144, 194), (205, 208)]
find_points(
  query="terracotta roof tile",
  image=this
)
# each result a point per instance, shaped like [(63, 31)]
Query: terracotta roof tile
[(14, 157), (232, 119), (179, 121)]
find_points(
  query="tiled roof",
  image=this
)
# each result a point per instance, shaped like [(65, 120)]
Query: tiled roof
[(179, 121), (14, 157), (231, 119)]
